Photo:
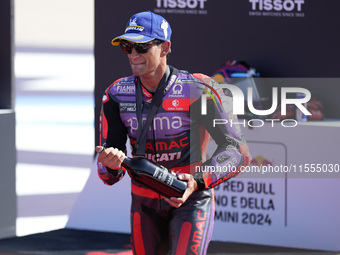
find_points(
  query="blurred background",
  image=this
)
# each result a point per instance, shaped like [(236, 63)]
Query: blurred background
[(54, 105)]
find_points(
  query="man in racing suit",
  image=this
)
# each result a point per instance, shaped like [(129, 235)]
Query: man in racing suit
[(177, 139)]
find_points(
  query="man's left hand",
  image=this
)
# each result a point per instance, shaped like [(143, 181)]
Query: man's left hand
[(244, 149), (192, 186)]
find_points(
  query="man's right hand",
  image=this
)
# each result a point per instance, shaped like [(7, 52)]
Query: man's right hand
[(110, 157)]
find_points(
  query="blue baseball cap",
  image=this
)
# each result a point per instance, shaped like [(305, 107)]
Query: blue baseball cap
[(144, 27)]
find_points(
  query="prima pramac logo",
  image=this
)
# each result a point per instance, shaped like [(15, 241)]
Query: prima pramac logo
[(239, 99)]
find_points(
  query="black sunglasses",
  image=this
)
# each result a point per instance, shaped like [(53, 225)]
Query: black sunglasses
[(141, 48)]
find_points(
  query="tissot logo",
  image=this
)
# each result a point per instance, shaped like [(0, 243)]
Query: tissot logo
[(192, 4), (277, 5), (277, 8), (181, 6)]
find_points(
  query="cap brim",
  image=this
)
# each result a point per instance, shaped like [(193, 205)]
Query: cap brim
[(136, 38)]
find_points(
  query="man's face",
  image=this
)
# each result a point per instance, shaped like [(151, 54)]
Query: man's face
[(143, 64)]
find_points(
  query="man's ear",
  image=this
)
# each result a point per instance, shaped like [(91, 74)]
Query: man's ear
[(165, 47)]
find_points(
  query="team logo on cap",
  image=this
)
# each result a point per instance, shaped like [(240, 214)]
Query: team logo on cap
[(133, 26), (133, 22), (165, 27)]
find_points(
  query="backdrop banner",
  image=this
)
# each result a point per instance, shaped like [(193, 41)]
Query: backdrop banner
[(286, 38)]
